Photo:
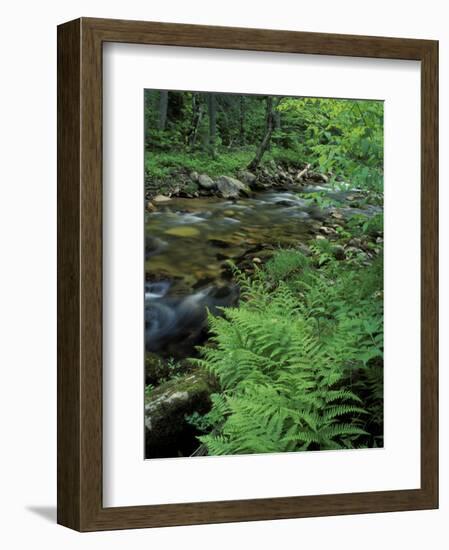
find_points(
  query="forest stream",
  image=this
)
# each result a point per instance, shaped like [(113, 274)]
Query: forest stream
[(190, 240), (263, 291)]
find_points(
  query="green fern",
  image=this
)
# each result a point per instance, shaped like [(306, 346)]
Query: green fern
[(294, 361)]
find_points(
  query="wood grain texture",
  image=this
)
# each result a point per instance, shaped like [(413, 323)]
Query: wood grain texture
[(429, 271), (69, 407), (80, 274)]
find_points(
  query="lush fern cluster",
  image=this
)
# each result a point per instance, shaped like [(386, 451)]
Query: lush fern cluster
[(299, 362)]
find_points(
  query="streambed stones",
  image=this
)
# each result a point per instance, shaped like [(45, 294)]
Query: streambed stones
[(183, 231)]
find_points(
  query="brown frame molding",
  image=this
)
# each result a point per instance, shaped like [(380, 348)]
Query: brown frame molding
[(80, 274)]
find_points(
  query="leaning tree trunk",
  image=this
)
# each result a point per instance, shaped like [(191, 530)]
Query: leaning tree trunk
[(264, 144), (163, 106)]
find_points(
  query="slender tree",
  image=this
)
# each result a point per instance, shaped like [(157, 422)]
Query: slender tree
[(197, 115), (242, 120), (212, 107), (163, 106), (277, 119)]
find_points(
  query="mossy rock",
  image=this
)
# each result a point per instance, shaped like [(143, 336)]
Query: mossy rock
[(167, 433)]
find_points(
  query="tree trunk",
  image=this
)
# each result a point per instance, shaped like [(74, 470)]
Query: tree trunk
[(197, 115), (277, 120), (264, 144), (242, 119), (163, 105), (212, 106)]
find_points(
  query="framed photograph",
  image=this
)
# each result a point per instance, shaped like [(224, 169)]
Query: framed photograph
[(247, 274)]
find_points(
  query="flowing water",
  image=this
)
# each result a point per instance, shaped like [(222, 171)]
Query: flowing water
[(187, 245)]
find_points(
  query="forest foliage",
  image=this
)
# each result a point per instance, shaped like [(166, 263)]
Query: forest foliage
[(221, 133)]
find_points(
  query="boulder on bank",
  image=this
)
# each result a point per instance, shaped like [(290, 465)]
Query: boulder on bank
[(247, 177), (167, 432), (206, 182), (231, 188)]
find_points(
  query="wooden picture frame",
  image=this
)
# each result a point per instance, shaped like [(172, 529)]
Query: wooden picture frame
[(80, 504)]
